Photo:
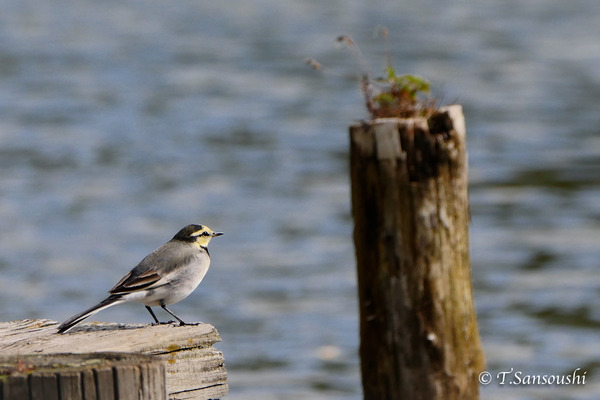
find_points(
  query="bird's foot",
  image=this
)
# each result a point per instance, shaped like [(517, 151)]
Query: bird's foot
[(164, 323), (181, 323)]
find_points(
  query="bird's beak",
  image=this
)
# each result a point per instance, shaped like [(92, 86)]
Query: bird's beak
[(214, 234)]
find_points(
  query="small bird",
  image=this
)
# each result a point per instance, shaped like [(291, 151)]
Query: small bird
[(167, 275)]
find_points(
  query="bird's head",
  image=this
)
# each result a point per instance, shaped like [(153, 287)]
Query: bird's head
[(199, 235)]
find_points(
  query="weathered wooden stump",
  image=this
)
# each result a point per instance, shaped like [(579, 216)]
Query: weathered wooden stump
[(122, 376), (195, 370), (418, 329)]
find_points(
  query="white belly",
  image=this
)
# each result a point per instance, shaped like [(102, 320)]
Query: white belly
[(176, 286)]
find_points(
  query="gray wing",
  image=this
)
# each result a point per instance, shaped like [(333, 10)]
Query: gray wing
[(154, 270)]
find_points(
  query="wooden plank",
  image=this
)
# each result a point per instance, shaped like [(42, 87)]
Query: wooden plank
[(70, 386), (57, 376), (203, 373), (156, 387), (36, 387), (104, 380), (17, 388), (88, 385), (127, 377), (43, 386)]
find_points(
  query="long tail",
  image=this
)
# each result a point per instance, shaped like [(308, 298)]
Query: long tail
[(75, 319)]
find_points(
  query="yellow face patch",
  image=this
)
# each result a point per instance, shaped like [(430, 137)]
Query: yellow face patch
[(204, 235), (202, 231)]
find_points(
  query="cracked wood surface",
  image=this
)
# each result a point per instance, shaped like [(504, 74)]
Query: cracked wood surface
[(195, 369)]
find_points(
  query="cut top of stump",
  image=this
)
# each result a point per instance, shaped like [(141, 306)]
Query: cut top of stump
[(195, 369), (39, 336)]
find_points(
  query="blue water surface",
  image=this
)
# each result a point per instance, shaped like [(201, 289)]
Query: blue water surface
[(121, 122)]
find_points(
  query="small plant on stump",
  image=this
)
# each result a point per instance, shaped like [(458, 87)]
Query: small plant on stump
[(391, 96), (397, 96)]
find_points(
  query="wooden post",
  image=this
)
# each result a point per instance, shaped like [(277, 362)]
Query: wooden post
[(94, 376), (195, 370), (418, 329)]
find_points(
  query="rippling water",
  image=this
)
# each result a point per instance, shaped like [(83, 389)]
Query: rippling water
[(120, 122)]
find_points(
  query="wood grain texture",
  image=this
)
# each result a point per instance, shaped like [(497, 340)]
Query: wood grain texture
[(193, 365), (60, 376), (419, 334)]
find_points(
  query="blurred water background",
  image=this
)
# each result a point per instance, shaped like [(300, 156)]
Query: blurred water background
[(121, 122)]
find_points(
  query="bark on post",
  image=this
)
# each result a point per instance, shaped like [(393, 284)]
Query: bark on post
[(418, 329)]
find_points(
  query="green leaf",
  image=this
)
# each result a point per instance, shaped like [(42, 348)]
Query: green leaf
[(391, 73), (412, 84), (384, 99)]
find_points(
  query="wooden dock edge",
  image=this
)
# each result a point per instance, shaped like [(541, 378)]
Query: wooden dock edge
[(194, 368)]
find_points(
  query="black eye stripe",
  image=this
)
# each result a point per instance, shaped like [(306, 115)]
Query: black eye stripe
[(201, 234)]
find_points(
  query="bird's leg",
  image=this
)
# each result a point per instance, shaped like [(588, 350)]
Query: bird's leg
[(152, 313), (181, 322)]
